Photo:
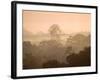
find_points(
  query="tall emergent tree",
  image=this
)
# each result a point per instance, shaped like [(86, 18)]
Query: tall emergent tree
[(55, 32)]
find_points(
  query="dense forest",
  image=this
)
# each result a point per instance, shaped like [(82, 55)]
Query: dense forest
[(72, 51)]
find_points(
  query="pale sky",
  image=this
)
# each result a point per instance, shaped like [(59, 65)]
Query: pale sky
[(39, 21)]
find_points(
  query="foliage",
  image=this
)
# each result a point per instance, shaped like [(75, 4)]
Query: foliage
[(53, 64), (55, 32), (52, 53), (80, 59)]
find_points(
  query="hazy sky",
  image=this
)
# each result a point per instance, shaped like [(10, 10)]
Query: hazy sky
[(39, 21)]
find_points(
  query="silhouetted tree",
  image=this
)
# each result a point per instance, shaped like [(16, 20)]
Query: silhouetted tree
[(55, 32), (83, 58), (78, 42), (30, 60)]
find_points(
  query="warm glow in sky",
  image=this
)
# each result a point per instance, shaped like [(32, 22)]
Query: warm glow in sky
[(39, 21)]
